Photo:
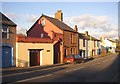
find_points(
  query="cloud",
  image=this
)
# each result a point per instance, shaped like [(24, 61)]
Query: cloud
[(12, 16), (31, 18), (98, 25), (88, 20), (21, 30)]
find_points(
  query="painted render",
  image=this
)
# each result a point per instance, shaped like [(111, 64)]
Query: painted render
[(107, 43), (90, 47), (22, 55)]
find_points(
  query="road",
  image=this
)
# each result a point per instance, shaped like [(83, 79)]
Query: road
[(102, 69)]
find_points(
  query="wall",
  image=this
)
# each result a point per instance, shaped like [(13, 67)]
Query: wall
[(67, 42), (81, 44), (92, 47), (0, 48), (11, 40), (23, 52), (38, 29)]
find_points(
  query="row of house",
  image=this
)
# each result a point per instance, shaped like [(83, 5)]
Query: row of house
[(48, 41)]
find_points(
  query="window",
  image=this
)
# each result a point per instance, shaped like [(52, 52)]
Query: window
[(43, 22), (5, 32), (71, 38), (94, 44), (71, 51), (41, 35), (97, 44), (83, 42)]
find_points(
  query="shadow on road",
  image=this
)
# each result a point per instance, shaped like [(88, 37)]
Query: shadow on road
[(12, 70), (36, 73), (87, 60), (103, 72)]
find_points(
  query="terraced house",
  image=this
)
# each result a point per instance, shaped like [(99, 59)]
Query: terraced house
[(8, 29), (65, 38), (88, 45), (108, 44)]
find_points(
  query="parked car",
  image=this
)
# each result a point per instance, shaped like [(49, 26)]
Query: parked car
[(73, 59)]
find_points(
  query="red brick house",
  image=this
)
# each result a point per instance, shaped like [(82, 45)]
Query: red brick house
[(65, 38)]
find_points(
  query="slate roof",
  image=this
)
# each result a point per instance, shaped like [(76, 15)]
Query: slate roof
[(82, 36), (60, 24), (5, 20)]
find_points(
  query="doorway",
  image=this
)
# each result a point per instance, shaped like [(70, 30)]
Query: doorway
[(34, 57)]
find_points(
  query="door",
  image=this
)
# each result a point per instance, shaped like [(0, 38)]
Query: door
[(6, 56), (80, 52), (83, 53), (34, 57)]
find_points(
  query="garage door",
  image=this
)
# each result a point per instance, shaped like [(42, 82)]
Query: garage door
[(6, 56)]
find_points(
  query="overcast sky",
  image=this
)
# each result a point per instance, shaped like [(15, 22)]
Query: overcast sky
[(98, 18)]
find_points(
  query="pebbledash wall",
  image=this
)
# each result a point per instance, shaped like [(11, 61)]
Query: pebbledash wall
[(23, 56)]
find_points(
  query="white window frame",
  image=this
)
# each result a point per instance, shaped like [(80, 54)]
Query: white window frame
[(7, 32), (43, 22), (41, 35)]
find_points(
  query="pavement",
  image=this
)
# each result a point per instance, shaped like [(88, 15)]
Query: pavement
[(46, 66), (103, 69)]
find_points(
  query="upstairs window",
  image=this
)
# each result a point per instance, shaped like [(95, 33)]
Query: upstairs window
[(94, 44), (43, 22), (83, 42), (97, 44), (71, 39), (5, 32)]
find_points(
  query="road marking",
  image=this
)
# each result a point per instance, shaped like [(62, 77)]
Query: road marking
[(30, 71), (74, 69), (35, 78)]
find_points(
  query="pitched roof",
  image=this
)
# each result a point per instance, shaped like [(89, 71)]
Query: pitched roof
[(61, 25), (24, 39), (5, 20), (83, 36), (111, 40)]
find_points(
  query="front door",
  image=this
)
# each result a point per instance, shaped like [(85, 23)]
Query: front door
[(6, 56), (34, 57)]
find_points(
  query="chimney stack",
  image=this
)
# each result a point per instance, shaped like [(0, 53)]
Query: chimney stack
[(59, 15), (75, 28), (86, 33)]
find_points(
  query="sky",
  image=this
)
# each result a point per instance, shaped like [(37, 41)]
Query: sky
[(98, 18)]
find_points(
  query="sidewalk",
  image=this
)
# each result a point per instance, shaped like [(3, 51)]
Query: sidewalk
[(45, 66), (29, 68), (103, 55)]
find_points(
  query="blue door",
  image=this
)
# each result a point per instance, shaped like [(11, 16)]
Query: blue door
[(6, 56)]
